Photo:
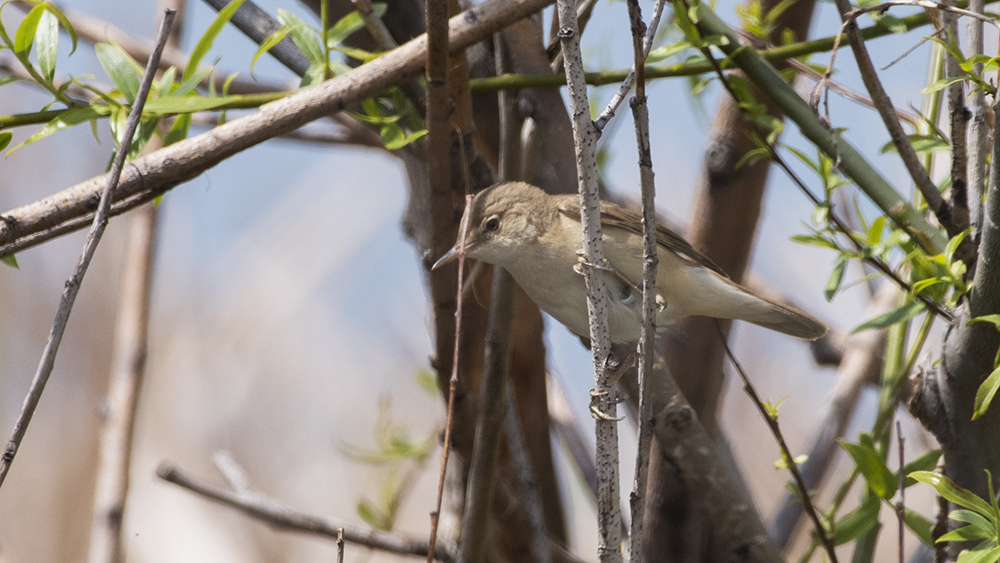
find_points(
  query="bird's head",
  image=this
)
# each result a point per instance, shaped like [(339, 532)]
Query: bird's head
[(503, 218)]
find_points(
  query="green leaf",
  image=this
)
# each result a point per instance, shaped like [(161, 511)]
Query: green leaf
[(11, 261), (979, 556), (858, 521), (666, 51), (267, 44), (304, 36), (399, 142), (186, 104), (941, 84), (921, 144), (965, 533), (919, 525), (836, 278), (345, 26), (47, 40), (25, 34), (5, 138), (995, 319), (925, 462), (166, 83), (952, 492), (178, 129), (315, 74), (869, 462), (973, 518), (815, 240), (64, 22), (206, 40), (124, 71), (985, 394), (355, 53), (65, 120), (897, 315)]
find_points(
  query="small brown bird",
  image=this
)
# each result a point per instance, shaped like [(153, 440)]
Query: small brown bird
[(537, 238)]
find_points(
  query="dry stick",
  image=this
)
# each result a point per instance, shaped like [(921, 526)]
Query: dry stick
[(901, 505), (978, 133), (93, 238), (772, 424), (921, 178), (147, 177), (646, 44), (452, 382), (340, 545), (640, 112), (280, 517), (128, 369), (257, 24), (603, 402)]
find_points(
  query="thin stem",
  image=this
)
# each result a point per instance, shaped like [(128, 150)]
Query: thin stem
[(280, 517), (93, 238), (452, 382), (772, 424)]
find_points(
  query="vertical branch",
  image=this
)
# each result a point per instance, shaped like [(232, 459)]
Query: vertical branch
[(640, 113), (128, 369), (603, 403), (438, 153), (978, 133), (97, 228), (958, 117)]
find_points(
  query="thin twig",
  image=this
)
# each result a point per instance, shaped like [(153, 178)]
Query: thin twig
[(772, 424), (281, 517), (374, 24), (901, 505), (640, 112), (340, 545), (639, 63), (603, 402), (452, 382), (93, 238)]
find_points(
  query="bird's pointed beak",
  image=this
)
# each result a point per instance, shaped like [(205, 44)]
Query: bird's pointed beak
[(448, 257), (452, 254)]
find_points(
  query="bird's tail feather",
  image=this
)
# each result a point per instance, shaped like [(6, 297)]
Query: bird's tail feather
[(759, 310)]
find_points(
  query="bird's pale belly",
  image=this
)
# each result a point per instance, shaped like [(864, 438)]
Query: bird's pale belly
[(568, 303)]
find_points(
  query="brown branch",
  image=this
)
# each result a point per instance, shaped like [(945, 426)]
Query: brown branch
[(641, 41), (375, 26), (149, 176), (72, 287), (978, 142), (280, 517), (958, 118)]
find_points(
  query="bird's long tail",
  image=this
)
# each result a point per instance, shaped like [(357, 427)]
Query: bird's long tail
[(746, 305)]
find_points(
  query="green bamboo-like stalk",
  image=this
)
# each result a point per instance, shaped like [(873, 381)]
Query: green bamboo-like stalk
[(852, 163)]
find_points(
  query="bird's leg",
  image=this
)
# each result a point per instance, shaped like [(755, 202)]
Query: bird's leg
[(615, 370), (604, 266)]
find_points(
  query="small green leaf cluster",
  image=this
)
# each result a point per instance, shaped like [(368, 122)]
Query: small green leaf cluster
[(403, 457)]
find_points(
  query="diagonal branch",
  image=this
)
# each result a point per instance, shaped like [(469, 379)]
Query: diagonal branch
[(147, 177), (271, 512)]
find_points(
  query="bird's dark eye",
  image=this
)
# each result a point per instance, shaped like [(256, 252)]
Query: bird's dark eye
[(492, 224)]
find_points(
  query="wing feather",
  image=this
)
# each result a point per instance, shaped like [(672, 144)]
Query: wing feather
[(615, 216)]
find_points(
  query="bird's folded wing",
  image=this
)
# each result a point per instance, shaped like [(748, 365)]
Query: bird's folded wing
[(613, 215)]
